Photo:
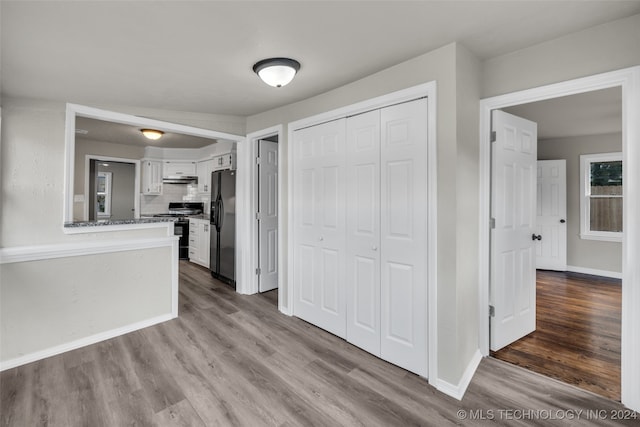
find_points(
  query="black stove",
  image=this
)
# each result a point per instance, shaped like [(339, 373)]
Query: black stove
[(181, 212)]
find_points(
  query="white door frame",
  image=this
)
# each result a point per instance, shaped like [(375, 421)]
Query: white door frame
[(629, 81), (136, 191), (428, 90), (76, 110), (247, 152)]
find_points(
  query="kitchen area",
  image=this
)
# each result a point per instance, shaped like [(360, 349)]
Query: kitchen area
[(179, 178), (199, 196)]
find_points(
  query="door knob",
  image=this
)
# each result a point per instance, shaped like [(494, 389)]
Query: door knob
[(536, 237), (375, 248), (562, 221), (321, 238)]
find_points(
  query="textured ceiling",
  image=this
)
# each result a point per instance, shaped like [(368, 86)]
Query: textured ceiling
[(197, 56)]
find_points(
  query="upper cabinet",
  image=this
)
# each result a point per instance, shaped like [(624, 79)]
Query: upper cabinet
[(151, 177), (224, 161), (203, 170), (178, 169)]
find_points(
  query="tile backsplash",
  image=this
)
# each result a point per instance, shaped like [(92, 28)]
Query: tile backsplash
[(170, 193)]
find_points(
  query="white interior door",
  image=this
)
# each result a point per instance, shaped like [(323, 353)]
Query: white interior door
[(319, 226), (403, 235), (551, 215), (513, 209), (363, 231), (267, 215)]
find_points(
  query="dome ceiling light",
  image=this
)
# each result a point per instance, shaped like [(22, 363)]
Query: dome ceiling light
[(152, 133), (276, 72)]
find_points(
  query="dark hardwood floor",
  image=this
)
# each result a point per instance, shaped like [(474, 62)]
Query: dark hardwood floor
[(577, 339), (234, 360)]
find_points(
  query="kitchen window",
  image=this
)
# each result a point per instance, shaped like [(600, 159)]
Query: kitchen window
[(601, 196)]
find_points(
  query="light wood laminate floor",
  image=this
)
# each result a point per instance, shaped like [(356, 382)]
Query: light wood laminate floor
[(234, 360), (577, 336)]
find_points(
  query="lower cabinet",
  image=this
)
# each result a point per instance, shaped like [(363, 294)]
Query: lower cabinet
[(199, 239), (359, 231)]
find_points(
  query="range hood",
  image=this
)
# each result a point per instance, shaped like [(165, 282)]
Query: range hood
[(180, 179)]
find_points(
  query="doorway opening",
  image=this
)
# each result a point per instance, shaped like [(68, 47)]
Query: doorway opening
[(261, 158), (120, 178), (578, 316), (266, 173), (627, 80), (111, 190), (573, 340)]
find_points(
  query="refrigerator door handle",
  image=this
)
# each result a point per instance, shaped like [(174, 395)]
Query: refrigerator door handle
[(212, 214), (220, 221)]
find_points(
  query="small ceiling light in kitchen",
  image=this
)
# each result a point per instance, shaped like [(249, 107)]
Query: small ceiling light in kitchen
[(152, 133), (276, 72)]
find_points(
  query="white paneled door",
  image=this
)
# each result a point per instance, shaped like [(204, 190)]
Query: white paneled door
[(551, 215), (403, 235), (360, 230), (267, 215), (319, 226), (363, 231), (513, 210)]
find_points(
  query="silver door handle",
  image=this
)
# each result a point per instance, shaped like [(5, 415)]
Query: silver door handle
[(375, 248), (321, 238)]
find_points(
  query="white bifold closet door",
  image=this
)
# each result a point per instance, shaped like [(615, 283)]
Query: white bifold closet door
[(319, 226), (363, 231), (373, 260), (403, 235)]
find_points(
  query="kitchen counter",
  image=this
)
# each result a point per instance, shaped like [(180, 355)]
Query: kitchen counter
[(106, 222)]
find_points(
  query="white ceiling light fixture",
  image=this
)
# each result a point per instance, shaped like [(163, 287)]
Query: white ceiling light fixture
[(276, 72), (152, 133)]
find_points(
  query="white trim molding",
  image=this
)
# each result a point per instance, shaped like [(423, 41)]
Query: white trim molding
[(426, 90), (585, 197), (74, 110), (66, 250), (628, 80), (457, 390), (83, 342), (248, 191), (594, 272)]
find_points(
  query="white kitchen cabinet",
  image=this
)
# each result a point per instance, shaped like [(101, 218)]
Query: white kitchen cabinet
[(199, 239), (359, 231), (172, 169), (224, 161), (151, 177), (203, 170)]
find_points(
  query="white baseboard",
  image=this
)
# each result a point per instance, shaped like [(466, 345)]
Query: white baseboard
[(92, 339), (457, 390), (594, 272)]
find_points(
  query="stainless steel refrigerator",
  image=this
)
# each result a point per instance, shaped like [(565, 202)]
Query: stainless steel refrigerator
[(223, 226)]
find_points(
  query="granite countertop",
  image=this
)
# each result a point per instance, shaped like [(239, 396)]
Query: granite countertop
[(105, 222)]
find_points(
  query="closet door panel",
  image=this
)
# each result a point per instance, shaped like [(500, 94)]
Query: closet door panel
[(363, 231), (403, 189), (319, 226)]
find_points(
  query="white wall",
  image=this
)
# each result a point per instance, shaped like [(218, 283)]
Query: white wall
[(457, 141), (592, 254), (606, 47), (52, 302), (74, 297)]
